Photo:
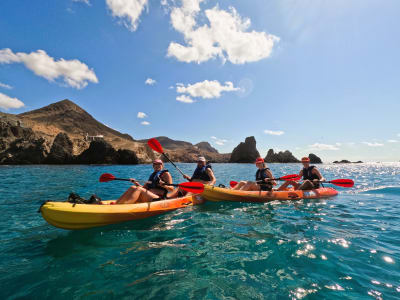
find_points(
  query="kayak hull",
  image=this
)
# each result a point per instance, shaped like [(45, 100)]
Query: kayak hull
[(66, 215), (216, 194)]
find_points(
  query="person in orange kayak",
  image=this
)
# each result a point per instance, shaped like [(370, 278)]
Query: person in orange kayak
[(310, 174), (203, 173), (263, 176), (153, 189)]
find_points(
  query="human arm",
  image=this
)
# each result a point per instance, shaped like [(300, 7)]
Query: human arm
[(318, 173), (270, 176), (211, 175), (166, 178)]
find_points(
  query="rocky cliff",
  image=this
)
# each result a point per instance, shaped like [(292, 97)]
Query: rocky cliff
[(63, 133), (245, 152), (280, 157), (314, 159)]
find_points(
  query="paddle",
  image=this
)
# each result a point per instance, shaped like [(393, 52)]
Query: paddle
[(283, 178), (156, 146), (347, 183), (191, 187)]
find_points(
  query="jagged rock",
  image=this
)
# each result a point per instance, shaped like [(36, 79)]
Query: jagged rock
[(358, 162), (280, 157), (343, 161), (127, 157), (20, 145), (61, 150), (245, 152), (205, 146), (101, 152), (314, 159)]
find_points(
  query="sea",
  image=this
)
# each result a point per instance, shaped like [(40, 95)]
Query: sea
[(345, 247)]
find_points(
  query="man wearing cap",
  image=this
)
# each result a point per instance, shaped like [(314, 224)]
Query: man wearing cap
[(311, 176), (154, 188), (203, 172), (263, 182)]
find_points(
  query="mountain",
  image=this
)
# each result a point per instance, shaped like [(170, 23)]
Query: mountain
[(37, 130), (206, 147)]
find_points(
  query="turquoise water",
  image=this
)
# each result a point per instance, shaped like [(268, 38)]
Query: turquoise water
[(347, 246)]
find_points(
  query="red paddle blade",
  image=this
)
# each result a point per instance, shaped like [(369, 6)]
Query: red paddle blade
[(106, 177), (348, 183), (192, 187), (233, 183), (290, 177), (155, 145)]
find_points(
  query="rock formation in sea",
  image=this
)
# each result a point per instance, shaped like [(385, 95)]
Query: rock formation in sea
[(245, 152), (314, 159), (280, 157), (345, 161)]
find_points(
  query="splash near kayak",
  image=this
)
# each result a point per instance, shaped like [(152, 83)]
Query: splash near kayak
[(67, 215), (216, 194)]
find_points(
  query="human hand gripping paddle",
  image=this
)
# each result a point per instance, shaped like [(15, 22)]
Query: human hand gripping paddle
[(283, 178), (191, 187), (156, 146)]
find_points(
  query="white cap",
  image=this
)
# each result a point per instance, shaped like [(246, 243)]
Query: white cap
[(201, 158)]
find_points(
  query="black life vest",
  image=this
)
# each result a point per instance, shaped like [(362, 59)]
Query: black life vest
[(308, 174), (155, 179), (261, 175), (201, 173)]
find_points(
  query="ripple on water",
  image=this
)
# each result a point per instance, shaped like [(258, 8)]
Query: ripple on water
[(324, 249)]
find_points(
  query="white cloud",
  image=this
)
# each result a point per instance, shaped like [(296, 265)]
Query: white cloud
[(141, 115), (338, 144), (393, 141), (206, 89), (271, 132), (184, 99), (145, 123), (128, 11), (83, 1), (75, 73), (374, 144), (218, 141), (150, 81), (7, 102), (5, 86), (398, 134), (226, 36), (320, 147)]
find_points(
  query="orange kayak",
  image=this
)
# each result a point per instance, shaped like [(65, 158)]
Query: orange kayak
[(213, 193), (66, 215)]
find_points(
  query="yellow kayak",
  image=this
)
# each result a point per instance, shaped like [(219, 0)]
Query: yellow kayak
[(67, 215), (213, 193)]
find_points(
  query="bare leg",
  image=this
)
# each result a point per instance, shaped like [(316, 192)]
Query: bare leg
[(250, 186), (136, 194), (306, 185), (239, 185), (287, 183)]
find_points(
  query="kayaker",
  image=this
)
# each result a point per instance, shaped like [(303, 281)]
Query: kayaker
[(203, 173), (263, 174), (154, 188), (310, 174)]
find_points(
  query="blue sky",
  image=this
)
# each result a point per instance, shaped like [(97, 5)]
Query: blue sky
[(308, 76)]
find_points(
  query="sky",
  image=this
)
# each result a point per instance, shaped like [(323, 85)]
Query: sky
[(306, 76)]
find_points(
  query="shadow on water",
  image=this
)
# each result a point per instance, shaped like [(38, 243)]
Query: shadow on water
[(79, 240)]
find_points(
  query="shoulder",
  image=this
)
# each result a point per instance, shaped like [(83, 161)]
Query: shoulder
[(164, 171), (208, 166)]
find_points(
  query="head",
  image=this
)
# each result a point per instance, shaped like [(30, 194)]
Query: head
[(305, 161), (201, 161), (158, 165), (260, 163)]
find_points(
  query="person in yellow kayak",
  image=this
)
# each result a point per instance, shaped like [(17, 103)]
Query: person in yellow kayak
[(263, 182), (153, 189), (310, 174), (203, 173)]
